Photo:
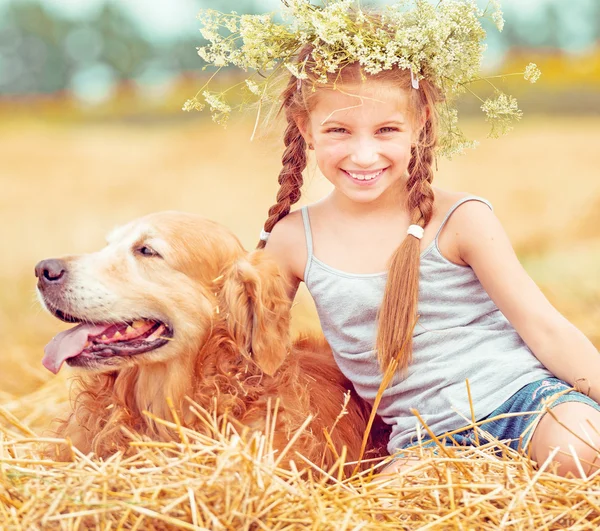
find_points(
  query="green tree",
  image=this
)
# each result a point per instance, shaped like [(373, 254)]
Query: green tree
[(31, 52), (124, 49)]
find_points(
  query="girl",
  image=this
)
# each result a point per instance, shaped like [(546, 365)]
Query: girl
[(387, 243), (400, 269)]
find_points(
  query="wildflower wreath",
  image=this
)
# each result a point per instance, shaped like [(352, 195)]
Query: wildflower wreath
[(441, 42)]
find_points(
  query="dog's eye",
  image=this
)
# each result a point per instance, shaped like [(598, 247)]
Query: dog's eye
[(147, 251)]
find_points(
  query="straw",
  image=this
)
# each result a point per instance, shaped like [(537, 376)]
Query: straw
[(230, 478)]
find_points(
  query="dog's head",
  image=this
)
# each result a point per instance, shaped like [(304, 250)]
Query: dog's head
[(156, 292)]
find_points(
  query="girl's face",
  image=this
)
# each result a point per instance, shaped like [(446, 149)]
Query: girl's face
[(362, 135)]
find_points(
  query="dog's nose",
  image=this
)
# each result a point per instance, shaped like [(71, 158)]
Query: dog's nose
[(50, 271)]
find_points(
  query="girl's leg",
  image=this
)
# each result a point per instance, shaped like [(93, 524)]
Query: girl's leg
[(581, 419), (398, 465), (404, 464)]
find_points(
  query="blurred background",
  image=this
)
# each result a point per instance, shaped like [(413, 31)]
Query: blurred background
[(92, 135)]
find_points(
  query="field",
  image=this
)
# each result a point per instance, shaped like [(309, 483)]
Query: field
[(63, 187)]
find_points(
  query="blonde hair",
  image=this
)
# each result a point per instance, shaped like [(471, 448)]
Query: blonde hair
[(397, 314)]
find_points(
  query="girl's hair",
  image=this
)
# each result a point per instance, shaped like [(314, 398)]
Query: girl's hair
[(397, 315)]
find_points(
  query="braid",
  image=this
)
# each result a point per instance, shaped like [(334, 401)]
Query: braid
[(290, 177), (420, 193), (397, 315)]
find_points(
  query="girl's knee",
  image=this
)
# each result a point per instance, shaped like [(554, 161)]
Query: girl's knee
[(573, 427), (577, 459)]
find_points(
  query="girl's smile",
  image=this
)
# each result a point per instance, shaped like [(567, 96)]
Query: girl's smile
[(362, 137), (362, 178)]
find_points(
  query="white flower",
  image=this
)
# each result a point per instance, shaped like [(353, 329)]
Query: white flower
[(294, 69), (253, 87), (501, 112), (441, 41), (532, 73), (216, 104), (497, 17), (231, 23), (192, 105)]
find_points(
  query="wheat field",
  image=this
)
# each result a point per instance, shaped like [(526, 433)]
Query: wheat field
[(63, 187)]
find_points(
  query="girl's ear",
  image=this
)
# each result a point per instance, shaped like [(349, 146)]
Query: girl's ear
[(256, 300), (303, 126), (420, 122)]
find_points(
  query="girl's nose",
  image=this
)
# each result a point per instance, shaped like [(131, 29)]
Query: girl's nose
[(364, 153)]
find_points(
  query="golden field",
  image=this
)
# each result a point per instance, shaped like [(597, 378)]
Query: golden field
[(63, 187)]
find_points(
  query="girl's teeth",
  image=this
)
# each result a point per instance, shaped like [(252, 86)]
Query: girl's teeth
[(362, 177)]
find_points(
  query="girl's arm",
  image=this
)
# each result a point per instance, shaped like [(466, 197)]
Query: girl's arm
[(558, 344), (283, 245)]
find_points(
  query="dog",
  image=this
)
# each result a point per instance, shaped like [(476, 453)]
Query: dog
[(174, 307)]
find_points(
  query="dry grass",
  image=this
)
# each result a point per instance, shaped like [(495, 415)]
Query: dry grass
[(64, 188), (233, 481)]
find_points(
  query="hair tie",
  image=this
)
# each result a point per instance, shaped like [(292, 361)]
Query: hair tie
[(416, 230), (264, 236), (414, 80)]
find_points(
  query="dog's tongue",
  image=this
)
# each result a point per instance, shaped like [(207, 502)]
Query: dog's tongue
[(69, 344)]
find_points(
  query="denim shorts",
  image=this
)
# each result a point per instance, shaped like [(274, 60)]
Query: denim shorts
[(515, 431)]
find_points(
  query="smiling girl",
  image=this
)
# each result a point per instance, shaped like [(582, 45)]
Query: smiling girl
[(402, 270)]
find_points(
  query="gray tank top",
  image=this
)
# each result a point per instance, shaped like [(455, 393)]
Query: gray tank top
[(460, 334)]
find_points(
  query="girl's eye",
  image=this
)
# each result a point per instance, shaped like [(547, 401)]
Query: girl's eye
[(336, 130), (388, 130), (147, 251)]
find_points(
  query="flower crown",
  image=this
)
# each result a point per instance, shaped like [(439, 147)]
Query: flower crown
[(442, 43)]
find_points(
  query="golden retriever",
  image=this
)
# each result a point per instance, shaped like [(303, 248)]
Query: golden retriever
[(173, 307)]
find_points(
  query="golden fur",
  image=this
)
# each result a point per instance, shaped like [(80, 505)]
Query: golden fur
[(231, 351)]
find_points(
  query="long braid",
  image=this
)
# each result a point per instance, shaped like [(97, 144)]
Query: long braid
[(420, 193), (294, 162), (397, 314)]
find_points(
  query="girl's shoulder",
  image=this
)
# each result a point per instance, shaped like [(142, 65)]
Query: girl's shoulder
[(455, 213), (447, 201), (287, 243)]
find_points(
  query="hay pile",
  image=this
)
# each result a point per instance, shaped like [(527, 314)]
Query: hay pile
[(232, 481)]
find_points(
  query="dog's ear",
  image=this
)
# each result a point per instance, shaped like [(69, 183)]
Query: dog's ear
[(258, 308)]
